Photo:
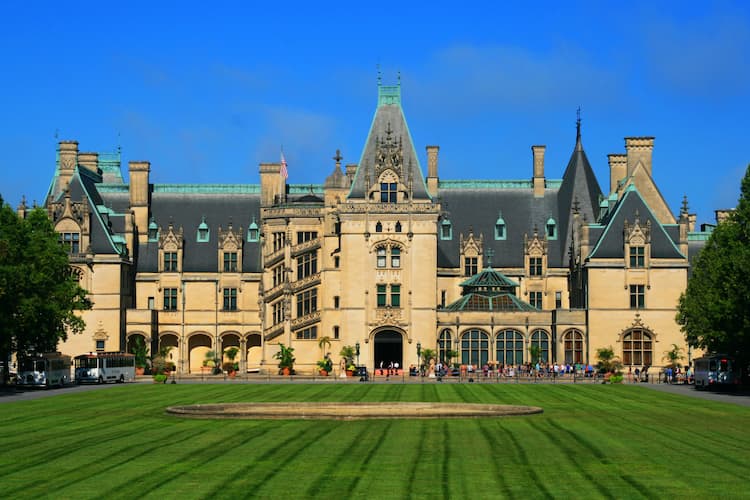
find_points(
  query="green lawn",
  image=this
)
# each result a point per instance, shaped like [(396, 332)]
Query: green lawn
[(591, 441)]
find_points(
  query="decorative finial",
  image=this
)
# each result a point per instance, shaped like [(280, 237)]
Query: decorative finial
[(576, 205), (489, 253), (399, 78), (379, 75), (684, 204), (578, 125), (338, 158)]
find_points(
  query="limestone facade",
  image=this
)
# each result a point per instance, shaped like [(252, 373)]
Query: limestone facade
[(378, 256)]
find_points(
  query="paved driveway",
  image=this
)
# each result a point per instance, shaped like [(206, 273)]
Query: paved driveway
[(738, 397)]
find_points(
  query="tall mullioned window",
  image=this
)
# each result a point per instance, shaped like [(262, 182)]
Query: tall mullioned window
[(307, 302), (637, 348), (230, 262), (303, 236), (277, 312), (573, 344), (445, 344), (637, 296), (170, 299), (475, 348), (535, 299), (388, 192), (278, 238), (381, 256), (307, 264), (637, 257), (540, 339), (535, 266), (170, 261), (470, 266), (509, 347), (230, 299), (71, 242)]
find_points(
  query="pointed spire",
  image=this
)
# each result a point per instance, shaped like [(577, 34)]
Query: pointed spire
[(579, 145), (685, 207)]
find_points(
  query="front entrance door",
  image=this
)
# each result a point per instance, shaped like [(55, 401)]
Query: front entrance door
[(389, 348)]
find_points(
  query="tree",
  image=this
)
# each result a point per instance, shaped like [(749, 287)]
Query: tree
[(673, 356), (535, 353), (608, 362), (39, 296), (714, 310)]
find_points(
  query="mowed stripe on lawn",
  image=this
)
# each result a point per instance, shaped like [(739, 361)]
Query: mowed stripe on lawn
[(591, 441)]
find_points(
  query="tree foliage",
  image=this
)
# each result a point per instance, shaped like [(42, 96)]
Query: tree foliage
[(714, 310), (608, 362), (39, 296)]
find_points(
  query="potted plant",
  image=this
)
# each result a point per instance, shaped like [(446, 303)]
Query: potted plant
[(160, 365), (609, 365), (230, 366), (140, 350), (286, 360), (347, 352), (325, 366)]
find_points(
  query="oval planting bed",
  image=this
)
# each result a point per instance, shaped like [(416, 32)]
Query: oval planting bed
[(349, 411)]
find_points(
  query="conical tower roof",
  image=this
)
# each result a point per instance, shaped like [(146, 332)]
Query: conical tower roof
[(579, 188)]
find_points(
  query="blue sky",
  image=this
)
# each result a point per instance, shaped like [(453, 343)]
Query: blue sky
[(206, 91)]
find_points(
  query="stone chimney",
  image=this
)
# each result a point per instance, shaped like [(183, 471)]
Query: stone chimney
[(139, 196), (89, 160), (432, 170), (538, 170), (618, 169), (639, 150), (272, 184), (68, 159)]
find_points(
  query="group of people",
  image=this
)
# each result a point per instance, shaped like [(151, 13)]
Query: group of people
[(390, 369), (677, 375)]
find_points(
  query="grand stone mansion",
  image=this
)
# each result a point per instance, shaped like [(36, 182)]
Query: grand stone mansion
[(380, 256)]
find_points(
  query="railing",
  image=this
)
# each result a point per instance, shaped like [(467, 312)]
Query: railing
[(307, 281), (274, 257), (307, 319), (305, 246)]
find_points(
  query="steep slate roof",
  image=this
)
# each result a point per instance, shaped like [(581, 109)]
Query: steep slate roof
[(103, 226), (476, 204), (389, 116), (579, 185), (186, 208), (611, 244)]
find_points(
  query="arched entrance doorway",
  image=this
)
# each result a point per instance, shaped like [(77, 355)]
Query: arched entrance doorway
[(388, 348)]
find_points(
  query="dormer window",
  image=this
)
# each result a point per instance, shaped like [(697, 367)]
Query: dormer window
[(203, 231), (551, 229), (153, 231), (446, 230), (500, 233), (379, 227), (388, 192), (253, 234)]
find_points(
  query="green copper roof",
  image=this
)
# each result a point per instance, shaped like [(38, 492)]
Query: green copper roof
[(478, 302), (389, 94), (490, 280), (489, 290), (699, 236), (208, 188)]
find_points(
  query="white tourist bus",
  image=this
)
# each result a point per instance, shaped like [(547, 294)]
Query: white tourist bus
[(101, 367), (44, 370)]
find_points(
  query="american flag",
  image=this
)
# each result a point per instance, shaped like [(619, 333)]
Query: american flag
[(283, 170)]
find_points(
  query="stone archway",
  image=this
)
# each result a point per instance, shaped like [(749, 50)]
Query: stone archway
[(229, 340), (388, 347), (171, 342), (254, 353), (198, 346)]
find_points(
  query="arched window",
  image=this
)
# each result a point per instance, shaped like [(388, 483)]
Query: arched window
[(398, 227), (573, 342), (475, 347), (378, 227), (540, 338), (509, 347), (445, 344), (637, 348)]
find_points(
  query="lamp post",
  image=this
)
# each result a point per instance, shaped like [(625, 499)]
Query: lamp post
[(356, 346), (419, 357)]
